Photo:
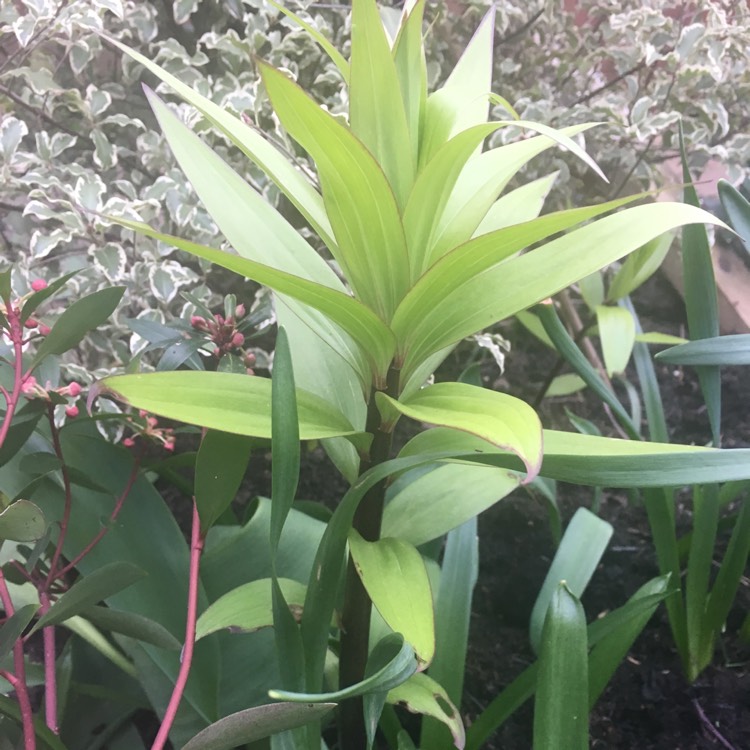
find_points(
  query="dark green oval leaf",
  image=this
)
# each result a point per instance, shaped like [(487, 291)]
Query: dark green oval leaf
[(90, 589), (256, 723)]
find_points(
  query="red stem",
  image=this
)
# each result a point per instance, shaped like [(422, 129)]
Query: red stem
[(50, 675), (196, 548), (19, 685), (112, 518), (16, 336)]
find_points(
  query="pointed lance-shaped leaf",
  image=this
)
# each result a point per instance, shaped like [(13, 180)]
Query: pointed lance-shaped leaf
[(376, 107), (290, 180), (373, 336), (395, 578), (503, 289), (240, 404), (359, 200)]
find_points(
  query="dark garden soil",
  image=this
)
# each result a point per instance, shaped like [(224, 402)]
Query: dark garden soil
[(648, 704)]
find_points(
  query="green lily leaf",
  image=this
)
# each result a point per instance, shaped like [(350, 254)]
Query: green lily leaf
[(397, 661), (480, 184), (411, 69), (361, 205), (290, 180), (583, 544), (503, 420), (435, 316), (737, 208), (518, 206), (639, 267), (336, 57), (464, 99), (394, 576), (598, 461), (420, 694), (373, 336), (240, 404), (426, 507), (617, 336), (232, 202), (248, 607), (376, 108)]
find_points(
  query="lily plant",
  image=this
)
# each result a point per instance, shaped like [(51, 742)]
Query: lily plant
[(423, 248)]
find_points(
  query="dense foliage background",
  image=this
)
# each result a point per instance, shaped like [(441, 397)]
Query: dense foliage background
[(76, 136)]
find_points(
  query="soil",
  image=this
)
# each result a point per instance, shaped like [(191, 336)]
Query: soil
[(648, 704)]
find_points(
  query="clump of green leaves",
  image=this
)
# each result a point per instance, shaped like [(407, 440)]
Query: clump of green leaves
[(427, 249)]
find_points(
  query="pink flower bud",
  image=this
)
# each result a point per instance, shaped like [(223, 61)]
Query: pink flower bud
[(142, 413), (198, 322), (31, 323), (29, 385), (71, 411), (38, 284), (239, 311), (169, 445), (74, 389), (249, 359), (238, 339), (219, 320), (128, 442), (44, 330), (152, 422)]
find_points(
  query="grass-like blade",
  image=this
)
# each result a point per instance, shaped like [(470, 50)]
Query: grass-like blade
[(722, 350), (583, 544), (561, 704), (727, 581), (569, 350), (738, 210), (701, 298), (700, 638), (458, 576)]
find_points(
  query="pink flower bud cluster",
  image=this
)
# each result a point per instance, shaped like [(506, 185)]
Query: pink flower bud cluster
[(224, 334), (32, 389), (147, 426)]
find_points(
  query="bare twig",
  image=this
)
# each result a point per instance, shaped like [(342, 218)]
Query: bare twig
[(708, 724)]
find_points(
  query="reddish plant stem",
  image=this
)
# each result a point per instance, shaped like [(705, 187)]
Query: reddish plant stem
[(19, 682), (68, 498), (50, 675), (112, 518), (196, 548), (16, 336)]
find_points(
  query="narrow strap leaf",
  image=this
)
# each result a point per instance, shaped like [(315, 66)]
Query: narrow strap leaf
[(360, 202), (561, 704)]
